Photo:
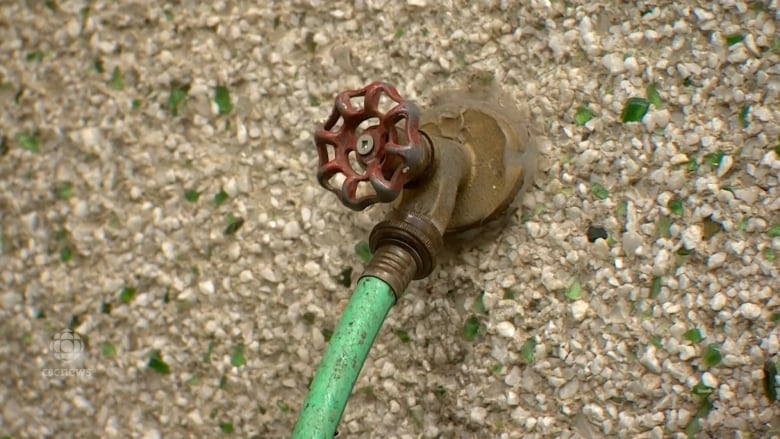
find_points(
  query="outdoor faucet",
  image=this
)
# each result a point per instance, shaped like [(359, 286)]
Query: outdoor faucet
[(448, 169)]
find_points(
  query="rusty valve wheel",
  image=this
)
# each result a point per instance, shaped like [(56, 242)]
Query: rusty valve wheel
[(390, 153)]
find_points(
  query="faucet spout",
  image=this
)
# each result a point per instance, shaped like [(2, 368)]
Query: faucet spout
[(417, 224)]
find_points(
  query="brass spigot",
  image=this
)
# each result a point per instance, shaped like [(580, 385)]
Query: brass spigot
[(453, 167)]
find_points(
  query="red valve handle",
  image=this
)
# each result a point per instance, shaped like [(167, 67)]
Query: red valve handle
[(389, 153)]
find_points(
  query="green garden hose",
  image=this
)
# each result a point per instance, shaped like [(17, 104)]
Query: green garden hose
[(343, 359)]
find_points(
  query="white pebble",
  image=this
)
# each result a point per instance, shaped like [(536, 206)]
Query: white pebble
[(73, 28), (650, 361), (725, 393), (709, 380), (506, 329), (718, 301), (231, 187), (534, 229), (631, 242), (557, 44), (512, 379), (703, 15), (11, 298), (716, 260), (678, 159), (771, 343), (478, 414), (305, 214), (241, 133), (82, 209), (311, 268), (738, 54), (671, 308), (691, 237), (600, 249), (519, 415), (631, 65), (234, 251), (762, 113), (135, 193), (268, 274), (206, 287), (508, 281), (107, 46), (195, 417), (579, 310), (545, 422), (388, 370), (662, 261), (83, 403), (569, 389), (169, 250), (656, 119), (613, 62), (291, 230), (687, 352), (750, 311), (750, 44), (90, 137), (245, 276), (725, 165), (151, 434)]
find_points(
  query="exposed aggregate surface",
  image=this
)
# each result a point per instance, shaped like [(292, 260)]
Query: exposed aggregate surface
[(576, 338)]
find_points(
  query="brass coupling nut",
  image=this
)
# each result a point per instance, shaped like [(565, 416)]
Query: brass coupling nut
[(415, 234)]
